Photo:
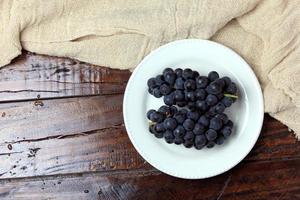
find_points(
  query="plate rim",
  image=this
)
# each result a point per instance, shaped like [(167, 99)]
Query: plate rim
[(149, 160)]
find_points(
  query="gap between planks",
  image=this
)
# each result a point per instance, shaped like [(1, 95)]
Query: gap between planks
[(31, 75), (47, 118), (111, 149)]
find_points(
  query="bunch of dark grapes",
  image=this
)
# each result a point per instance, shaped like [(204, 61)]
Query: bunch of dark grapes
[(193, 114)]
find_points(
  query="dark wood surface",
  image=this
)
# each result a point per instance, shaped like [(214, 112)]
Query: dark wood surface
[(62, 137)]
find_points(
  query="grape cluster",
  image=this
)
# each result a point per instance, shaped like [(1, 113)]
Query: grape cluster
[(193, 114)]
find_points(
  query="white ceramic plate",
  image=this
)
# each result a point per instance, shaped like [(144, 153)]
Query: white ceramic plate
[(246, 113)]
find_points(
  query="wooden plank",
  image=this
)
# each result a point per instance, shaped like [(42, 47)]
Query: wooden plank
[(36, 120), (103, 150), (109, 149), (31, 75), (275, 142), (262, 180)]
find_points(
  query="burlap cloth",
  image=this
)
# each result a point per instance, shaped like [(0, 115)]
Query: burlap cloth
[(119, 33)]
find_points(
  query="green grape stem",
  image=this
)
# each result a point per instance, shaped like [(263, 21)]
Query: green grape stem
[(231, 96)]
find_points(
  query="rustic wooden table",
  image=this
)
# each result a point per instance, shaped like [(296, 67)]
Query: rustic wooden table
[(62, 137)]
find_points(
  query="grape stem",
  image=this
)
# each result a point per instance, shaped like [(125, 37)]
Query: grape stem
[(231, 96), (151, 123)]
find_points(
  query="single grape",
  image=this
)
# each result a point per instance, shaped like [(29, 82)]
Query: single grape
[(190, 96), (179, 131), (151, 83), (211, 134), (169, 137), (199, 129), (200, 140), (189, 85), (211, 100), (156, 117), (159, 80), (229, 123), (157, 93), (215, 124), (227, 101), (168, 70), (165, 110), (149, 113), (213, 75), (188, 124), (221, 82), (170, 123), (204, 120), (226, 131), (219, 108), (159, 127), (165, 89), (195, 74), (210, 144), (199, 147), (200, 94), (232, 89), (223, 117), (159, 134), (227, 80), (220, 140), (179, 83), (213, 88), (194, 115), (201, 82), (178, 72), (170, 77), (202, 105), (188, 144), (189, 136), (179, 95), (178, 140), (180, 117), (169, 99), (173, 110), (187, 74), (150, 90)]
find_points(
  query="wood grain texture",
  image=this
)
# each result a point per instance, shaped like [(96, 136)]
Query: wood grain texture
[(263, 180), (275, 142), (110, 149), (31, 75), (77, 148), (103, 150), (57, 118)]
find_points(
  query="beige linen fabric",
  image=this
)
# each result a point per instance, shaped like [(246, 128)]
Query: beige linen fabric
[(119, 33)]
